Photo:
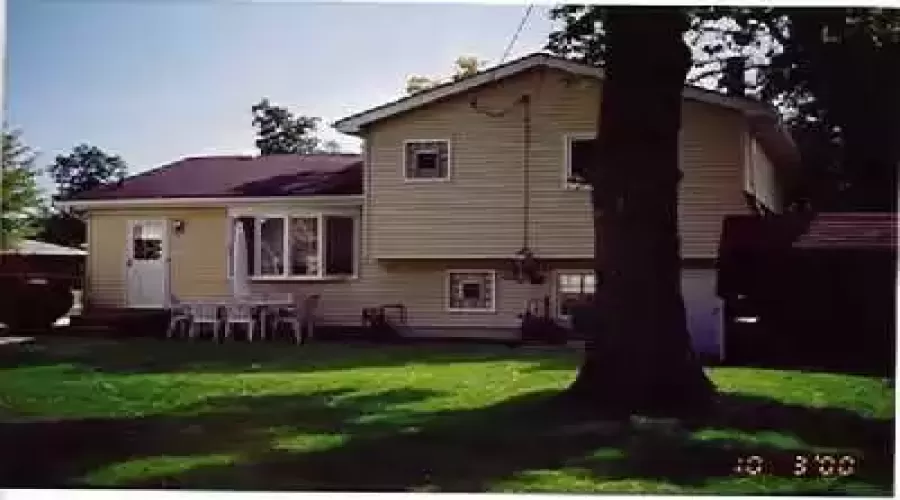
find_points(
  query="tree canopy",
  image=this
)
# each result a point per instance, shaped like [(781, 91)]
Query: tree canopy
[(463, 66), (278, 131), (20, 198), (86, 167)]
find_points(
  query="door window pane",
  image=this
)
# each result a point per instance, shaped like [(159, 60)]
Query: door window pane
[(146, 242)]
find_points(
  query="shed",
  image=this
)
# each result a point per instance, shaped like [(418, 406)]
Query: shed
[(822, 286)]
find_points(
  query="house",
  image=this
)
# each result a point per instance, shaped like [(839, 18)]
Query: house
[(452, 183)]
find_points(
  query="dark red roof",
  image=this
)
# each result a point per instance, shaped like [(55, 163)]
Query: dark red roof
[(237, 176), (826, 231)]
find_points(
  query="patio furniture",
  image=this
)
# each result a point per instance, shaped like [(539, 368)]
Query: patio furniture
[(240, 313), (291, 316), (311, 313), (180, 313), (204, 313), (301, 319), (269, 306)]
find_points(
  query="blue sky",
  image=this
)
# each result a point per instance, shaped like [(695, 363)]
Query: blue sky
[(155, 81)]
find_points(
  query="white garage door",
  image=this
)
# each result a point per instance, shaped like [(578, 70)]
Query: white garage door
[(704, 311)]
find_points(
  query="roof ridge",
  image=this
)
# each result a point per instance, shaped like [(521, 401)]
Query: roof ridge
[(350, 124)]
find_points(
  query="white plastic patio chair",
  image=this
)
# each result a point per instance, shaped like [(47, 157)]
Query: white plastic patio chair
[(240, 313), (204, 314), (311, 314), (179, 313), (271, 307), (297, 318)]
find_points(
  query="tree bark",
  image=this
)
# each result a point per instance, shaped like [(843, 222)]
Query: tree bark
[(640, 360)]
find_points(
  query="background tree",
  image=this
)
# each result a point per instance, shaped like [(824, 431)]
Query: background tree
[(463, 66), (86, 167), (20, 198), (643, 362), (278, 131), (330, 147), (830, 72)]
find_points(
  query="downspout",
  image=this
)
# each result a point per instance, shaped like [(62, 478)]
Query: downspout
[(526, 153), (365, 248)]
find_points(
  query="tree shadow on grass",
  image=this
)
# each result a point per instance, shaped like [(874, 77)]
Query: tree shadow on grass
[(388, 448), (58, 453), (147, 356), (475, 450)]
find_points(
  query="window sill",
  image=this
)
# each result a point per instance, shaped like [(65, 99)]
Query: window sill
[(313, 279), (415, 180), (577, 187), (480, 311)]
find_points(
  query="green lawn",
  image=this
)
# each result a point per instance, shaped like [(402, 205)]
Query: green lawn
[(150, 414)]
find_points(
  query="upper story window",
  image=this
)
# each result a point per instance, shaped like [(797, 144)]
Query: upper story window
[(579, 156), (426, 159)]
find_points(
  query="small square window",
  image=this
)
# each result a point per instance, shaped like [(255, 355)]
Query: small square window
[(471, 291), (427, 160)]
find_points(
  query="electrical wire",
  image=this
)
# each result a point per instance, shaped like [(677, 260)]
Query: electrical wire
[(515, 36)]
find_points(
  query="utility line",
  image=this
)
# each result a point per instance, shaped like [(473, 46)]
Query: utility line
[(515, 36)]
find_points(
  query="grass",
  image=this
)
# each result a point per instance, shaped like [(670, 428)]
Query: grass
[(155, 414)]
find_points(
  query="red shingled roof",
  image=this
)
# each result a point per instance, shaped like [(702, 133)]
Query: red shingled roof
[(831, 231), (237, 176)]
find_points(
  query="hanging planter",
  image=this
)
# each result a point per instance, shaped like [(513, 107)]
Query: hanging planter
[(527, 268)]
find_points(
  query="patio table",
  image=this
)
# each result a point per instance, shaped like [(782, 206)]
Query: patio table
[(265, 306), (262, 304)]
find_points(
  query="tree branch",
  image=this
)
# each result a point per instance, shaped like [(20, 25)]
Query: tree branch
[(717, 71)]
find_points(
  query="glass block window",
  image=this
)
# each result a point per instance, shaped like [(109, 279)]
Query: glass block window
[(472, 290), (427, 159)]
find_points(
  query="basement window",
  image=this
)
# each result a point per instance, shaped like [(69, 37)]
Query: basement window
[(471, 291)]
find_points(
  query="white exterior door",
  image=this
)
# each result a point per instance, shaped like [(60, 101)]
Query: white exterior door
[(146, 263), (704, 311)]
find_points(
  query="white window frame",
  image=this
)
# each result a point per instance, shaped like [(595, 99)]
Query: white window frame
[(403, 164), (557, 289), (448, 293), (568, 139), (261, 213)]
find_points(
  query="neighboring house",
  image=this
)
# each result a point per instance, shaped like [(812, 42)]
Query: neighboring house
[(41, 258), (452, 183)]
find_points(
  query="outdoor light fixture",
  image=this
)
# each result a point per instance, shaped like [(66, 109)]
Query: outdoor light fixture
[(178, 225)]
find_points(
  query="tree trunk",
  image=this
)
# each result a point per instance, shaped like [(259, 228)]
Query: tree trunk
[(641, 360)]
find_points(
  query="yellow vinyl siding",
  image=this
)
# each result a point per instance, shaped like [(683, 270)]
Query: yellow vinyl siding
[(478, 213), (762, 178), (197, 257)]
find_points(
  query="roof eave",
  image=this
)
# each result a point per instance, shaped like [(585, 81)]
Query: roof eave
[(165, 202), (354, 124)]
